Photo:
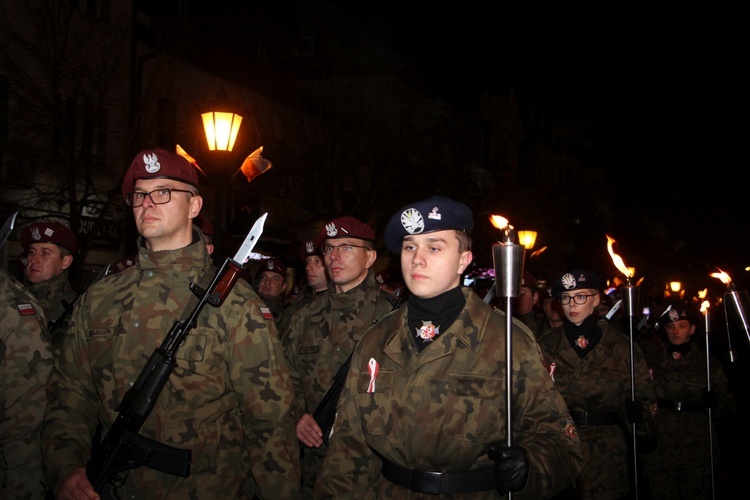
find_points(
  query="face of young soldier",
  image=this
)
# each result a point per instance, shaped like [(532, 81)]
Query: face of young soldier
[(576, 313), (315, 271), (431, 263), (166, 226), (527, 298), (45, 261), (679, 332)]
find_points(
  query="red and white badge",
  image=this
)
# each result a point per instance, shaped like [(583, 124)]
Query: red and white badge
[(428, 331), (582, 342)]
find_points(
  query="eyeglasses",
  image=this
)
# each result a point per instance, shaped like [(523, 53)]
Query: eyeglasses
[(328, 249), (159, 196), (579, 299)]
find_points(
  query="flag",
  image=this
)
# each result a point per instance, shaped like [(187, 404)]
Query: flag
[(189, 158), (254, 165)]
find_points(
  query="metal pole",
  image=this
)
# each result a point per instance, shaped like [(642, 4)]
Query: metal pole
[(508, 261), (630, 299), (707, 318)]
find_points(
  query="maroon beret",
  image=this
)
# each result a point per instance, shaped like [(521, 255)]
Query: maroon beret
[(158, 164), (273, 265), (312, 246), (349, 227), (49, 232), (205, 225)]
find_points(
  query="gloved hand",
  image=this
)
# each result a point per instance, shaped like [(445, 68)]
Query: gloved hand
[(511, 467), (634, 411), (710, 400)]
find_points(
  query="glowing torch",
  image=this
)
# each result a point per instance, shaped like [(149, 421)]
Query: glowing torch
[(629, 293), (736, 300), (507, 257)]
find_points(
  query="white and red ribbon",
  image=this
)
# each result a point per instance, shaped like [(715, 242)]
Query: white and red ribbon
[(373, 368)]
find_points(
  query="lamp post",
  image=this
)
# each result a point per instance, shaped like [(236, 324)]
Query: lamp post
[(221, 124)]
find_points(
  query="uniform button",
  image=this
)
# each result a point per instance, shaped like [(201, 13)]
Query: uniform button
[(150, 274), (137, 324)]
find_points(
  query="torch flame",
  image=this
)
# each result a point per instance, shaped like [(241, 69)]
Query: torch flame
[(721, 275), (616, 259), (704, 306), (702, 294), (499, 221)]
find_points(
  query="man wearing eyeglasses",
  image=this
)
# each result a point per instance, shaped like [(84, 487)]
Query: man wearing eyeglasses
[(589, 360), (229, 399), (320, 336)]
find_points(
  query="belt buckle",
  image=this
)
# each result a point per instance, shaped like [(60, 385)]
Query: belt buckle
[(426, 482), (678, 406)]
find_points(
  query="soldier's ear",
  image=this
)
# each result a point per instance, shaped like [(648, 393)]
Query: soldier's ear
[(67, 261)]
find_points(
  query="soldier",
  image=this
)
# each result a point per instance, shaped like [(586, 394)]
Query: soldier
[(589, 361), (49, 248), (230, 397), (424, 410), (270, 283), (680, 464), (316, 276), (526, 305), (321, 336), (24, 367)]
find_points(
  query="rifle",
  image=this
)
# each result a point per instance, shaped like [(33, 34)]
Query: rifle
[(123, 449), (325, 414)]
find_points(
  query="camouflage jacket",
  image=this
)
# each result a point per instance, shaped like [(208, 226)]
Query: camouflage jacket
[(439, 409), (600, 383), (25, 364), (321, 336), (229, 399), (682, 437), (50, 295)]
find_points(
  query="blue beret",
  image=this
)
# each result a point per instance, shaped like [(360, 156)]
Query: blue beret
[(577, 279), (433, 214)]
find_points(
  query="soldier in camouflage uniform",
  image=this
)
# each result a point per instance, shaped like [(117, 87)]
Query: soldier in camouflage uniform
[(270, 284), (679, 466), (321, 336), (316, 277), (49, 248), (423, 412), (230, 397), (589, 360), (25, 363)]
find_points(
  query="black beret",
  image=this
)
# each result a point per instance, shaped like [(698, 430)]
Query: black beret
[(677, 314), (433, 214), (577, 279)]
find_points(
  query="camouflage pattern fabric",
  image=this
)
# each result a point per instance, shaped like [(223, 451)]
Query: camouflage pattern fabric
[(682, 448), (25, 363), (319, 339), (229, 400), (305, 297), (534, 321), (439, 410), (50, 294), (600, 383)]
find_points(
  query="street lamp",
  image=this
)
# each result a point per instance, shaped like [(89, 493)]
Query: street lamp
[(527, 239), (221, 123)]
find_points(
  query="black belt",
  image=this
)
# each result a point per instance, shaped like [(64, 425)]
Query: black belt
[(439, 482), (680, 406), (585, 418)]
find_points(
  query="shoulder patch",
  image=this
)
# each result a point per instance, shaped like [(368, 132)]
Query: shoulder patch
[(266, 312), (26, 309)]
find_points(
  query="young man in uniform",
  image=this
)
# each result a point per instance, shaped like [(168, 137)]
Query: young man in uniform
[(424, 406), (229, 399), (320, 337), (270, 283), (25, 363), (49, 248)]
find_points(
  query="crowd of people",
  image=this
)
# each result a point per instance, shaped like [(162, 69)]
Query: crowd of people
[(354, 383)]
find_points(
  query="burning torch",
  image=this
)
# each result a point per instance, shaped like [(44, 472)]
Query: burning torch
[(736, 300), (629, 293), (507, 257)]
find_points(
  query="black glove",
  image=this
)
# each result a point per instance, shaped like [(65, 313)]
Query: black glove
[(710, 399), (511, 467), (634, 411)]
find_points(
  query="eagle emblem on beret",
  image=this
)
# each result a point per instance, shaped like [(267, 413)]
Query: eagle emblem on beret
[(152, 163)]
